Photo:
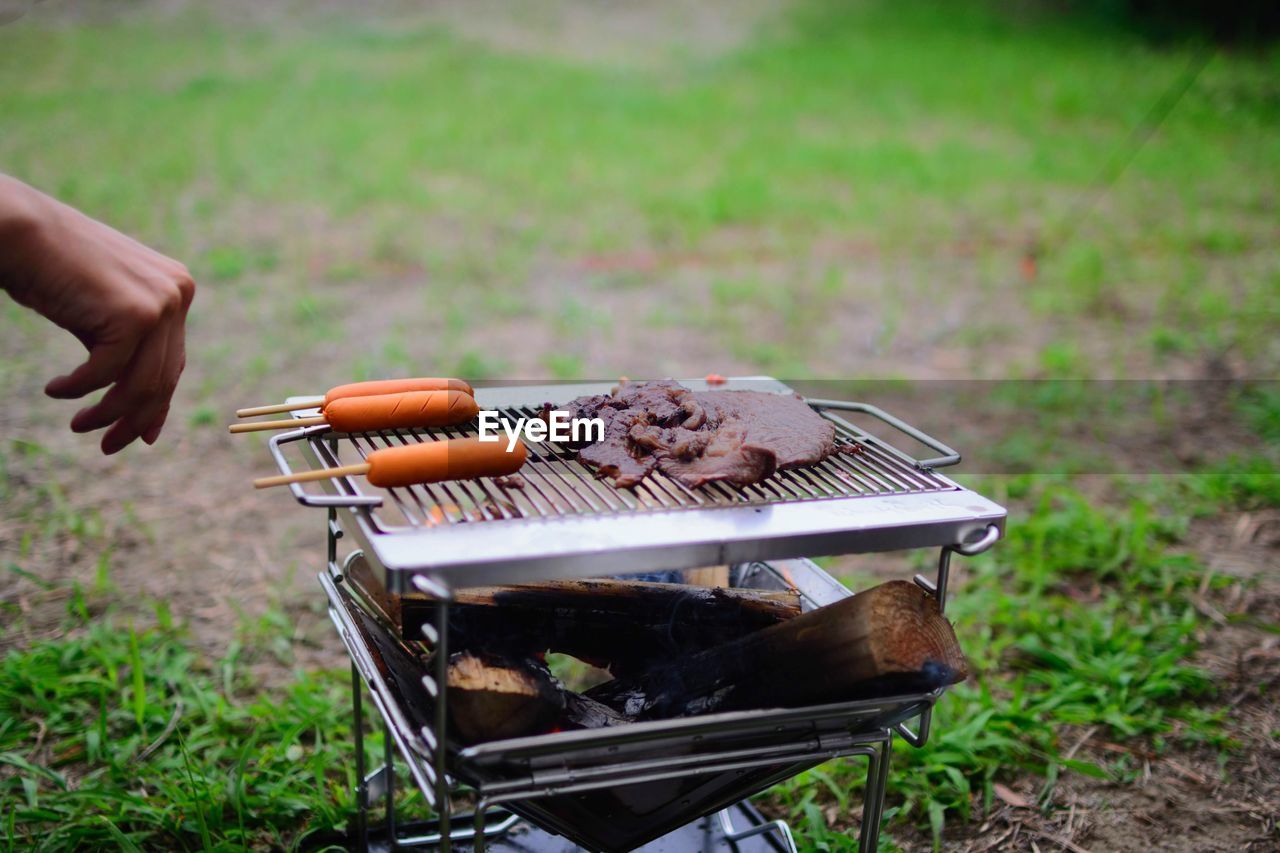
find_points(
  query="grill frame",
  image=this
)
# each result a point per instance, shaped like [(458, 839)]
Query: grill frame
[(876, 499), (433, 560)]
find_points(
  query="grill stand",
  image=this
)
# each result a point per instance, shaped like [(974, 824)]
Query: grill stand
[(885, 501), (722, 834)]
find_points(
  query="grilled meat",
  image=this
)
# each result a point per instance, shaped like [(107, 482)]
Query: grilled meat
[(738, 437)]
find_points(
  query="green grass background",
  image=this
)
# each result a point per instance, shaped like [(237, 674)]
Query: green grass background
[(918, 129), (908, 127)]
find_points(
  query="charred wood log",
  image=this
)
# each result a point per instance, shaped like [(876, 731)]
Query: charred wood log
[(624, 626), (889, 639), (489, 698), (582, 712), (494, 699)]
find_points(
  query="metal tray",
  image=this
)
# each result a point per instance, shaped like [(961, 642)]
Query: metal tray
[(564, 523)]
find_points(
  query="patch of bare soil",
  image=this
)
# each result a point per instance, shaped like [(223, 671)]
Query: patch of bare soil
[(610, 31), (633, 34)]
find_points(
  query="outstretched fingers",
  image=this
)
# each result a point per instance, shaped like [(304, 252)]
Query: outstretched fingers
[(135, 401), (175, 363), (106, 361)]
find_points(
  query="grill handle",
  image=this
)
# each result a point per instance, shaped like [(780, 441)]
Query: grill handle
[(949, 455), (300, 494), (972, 549)]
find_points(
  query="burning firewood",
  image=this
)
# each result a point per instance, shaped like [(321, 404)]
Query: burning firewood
[(625, 626), (887, 640), (581, 712), (494, 699)]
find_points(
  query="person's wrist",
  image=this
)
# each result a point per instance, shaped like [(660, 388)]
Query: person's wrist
[(24, 218)]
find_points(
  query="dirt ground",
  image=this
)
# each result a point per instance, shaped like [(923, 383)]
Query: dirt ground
[(186, 528)]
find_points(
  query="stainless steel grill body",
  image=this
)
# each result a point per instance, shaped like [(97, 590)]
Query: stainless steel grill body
[(564, 524)]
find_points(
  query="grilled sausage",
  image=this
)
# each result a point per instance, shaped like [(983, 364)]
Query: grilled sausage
[(400, 411), (395, 386), (436, 461)]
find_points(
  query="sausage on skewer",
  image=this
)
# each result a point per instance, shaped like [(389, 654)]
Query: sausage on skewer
[(384, 411), (426, 462), (365, 389)]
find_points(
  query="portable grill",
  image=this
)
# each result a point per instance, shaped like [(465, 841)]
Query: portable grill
[(626, 786)]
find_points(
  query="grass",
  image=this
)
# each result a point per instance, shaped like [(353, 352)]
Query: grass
[(117, 735), (848, 161), (1050, 661)]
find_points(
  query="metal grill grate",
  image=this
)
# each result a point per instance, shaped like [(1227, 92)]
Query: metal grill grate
[(558, 485), (565, 523)]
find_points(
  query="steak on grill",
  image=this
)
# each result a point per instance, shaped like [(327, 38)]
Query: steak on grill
[(700, 437)]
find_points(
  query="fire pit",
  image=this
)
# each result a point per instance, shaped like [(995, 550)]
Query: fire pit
[(624, 786)]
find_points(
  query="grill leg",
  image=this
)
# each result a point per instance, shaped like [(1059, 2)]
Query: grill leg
[(938, 587), (441, 721), (389, 773), (873, 799), (944, 572), (362, 787), (482, 806)]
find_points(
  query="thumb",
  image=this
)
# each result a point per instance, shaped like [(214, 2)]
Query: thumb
[(105, 362)]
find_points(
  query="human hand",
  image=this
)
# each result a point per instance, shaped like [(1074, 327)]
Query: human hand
[(125, 302)]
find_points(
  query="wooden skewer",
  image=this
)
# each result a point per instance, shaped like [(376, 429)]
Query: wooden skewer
[(275, 409), (257, 426), (307, 476), (376, 387)]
